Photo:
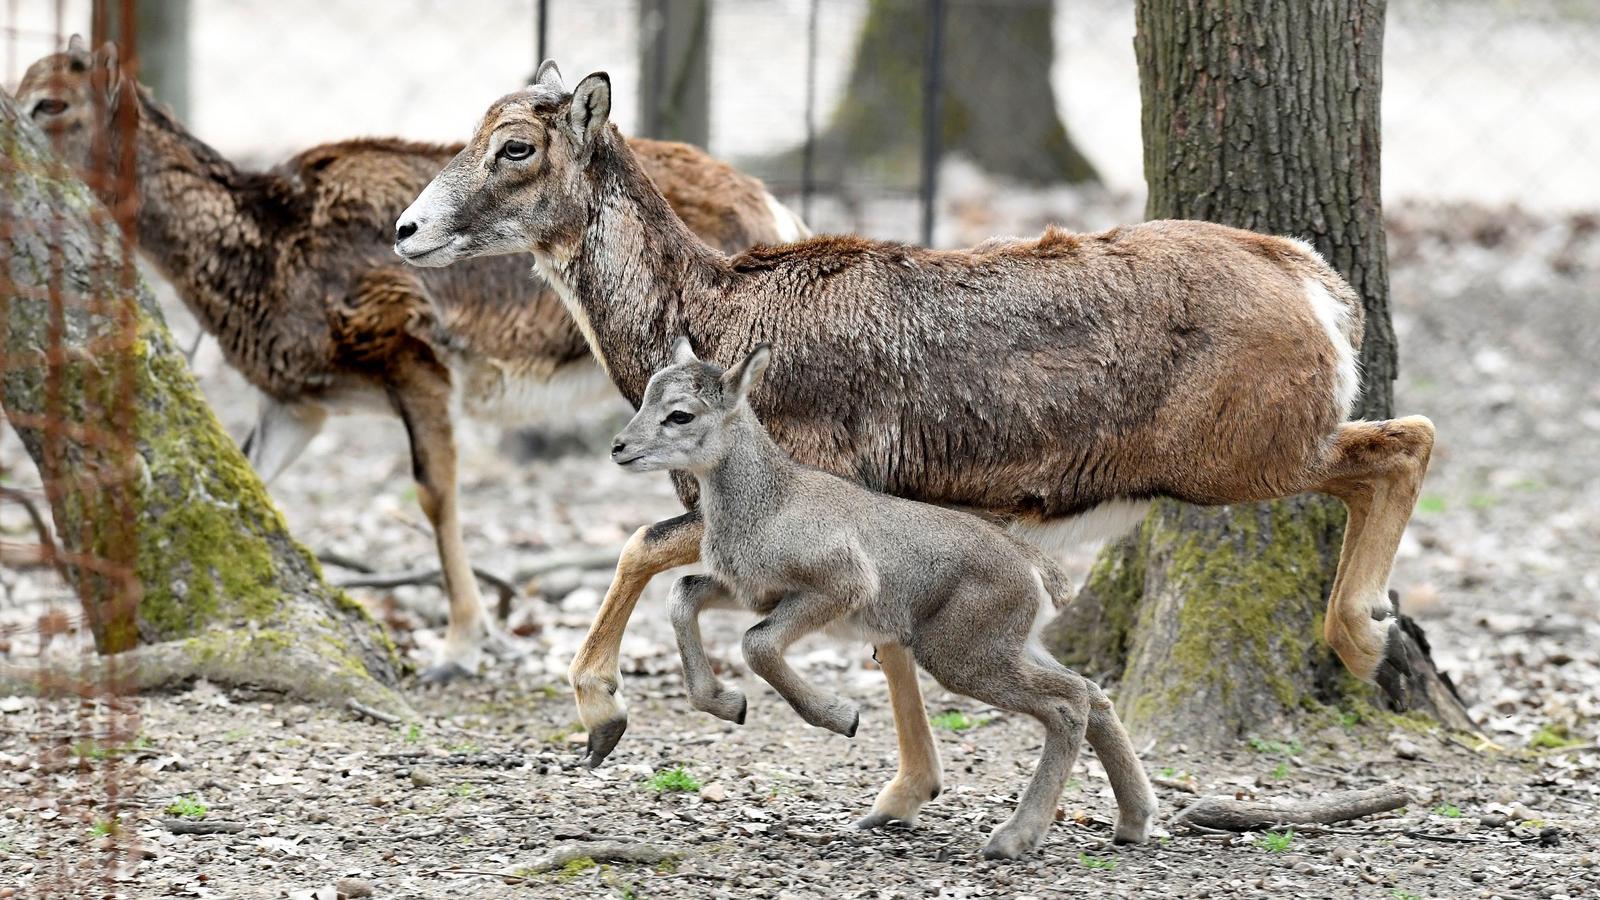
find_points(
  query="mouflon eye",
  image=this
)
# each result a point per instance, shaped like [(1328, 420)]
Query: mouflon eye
[(50, 107), (679, 417), (516, 150)]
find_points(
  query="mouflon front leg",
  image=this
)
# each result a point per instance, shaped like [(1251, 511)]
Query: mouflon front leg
[(595, 675), (796, 616), (692, 595)]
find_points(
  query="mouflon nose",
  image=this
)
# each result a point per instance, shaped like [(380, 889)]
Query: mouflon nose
[(406, 229), (617, 447)]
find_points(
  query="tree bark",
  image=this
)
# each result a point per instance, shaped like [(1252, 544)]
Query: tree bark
[(1262, 115), (675, 62), (998, 104), (180, 558)]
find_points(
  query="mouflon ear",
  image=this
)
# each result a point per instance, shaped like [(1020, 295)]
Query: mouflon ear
[(591, 107), (107, 66), (745, 374), (76, 44), (682, 352), (547, 75)]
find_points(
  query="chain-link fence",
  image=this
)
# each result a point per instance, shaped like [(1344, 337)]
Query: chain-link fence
[(1486, 102)]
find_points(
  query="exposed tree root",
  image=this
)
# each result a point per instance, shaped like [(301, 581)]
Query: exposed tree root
[(237, 657), (1228, 814)]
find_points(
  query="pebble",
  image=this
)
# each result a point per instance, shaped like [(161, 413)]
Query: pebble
[(353, 888), (1407, 750), (420, 778), (1492, 820), (714, 793)]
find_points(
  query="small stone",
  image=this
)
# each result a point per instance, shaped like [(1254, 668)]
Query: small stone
[(1479, 876), (714, 793), (420, 778), (1492, 820), (353, 888), (1407, 750), (1522, 814)]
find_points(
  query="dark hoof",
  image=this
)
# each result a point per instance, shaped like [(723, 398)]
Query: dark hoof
[(1395, 672), (603, 739), (744, 708), (444, 673)]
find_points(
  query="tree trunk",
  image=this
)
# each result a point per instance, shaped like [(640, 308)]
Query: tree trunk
[(1262, 115), (161, 37), (674, 61), (998, 104), (183, 564)]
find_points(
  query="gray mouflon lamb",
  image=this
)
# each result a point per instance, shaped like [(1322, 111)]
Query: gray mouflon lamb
[(809, 550)]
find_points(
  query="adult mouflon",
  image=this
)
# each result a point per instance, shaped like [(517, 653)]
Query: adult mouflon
[(811, 551), (1061, 382), (290, 270)]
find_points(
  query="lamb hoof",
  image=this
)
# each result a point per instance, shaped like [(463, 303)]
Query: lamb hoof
[(874, 820)]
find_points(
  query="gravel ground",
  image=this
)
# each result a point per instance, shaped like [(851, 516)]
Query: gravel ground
[(1500, 341)]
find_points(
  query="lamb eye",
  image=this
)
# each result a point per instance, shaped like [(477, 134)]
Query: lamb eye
[(679, 417), (49, 107), (516, 150)]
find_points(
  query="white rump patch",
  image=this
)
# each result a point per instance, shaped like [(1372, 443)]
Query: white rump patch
[(1334, 318), (789, 226), (1104, 522)]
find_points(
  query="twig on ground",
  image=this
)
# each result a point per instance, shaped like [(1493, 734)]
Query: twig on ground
[(506, 875), (185, 826), (615, 851), (343, 562), (583, 559), (47, 554), (1249, 815), (371, 579), (360, 708), (1177, 784)]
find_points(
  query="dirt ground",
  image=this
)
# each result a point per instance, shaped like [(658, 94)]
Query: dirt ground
[(1500, 331)]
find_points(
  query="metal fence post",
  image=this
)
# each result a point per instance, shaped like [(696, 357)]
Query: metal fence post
[(931, 78), (808, 154)]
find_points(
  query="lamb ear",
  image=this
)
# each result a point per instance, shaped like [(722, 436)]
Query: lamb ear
[(549, 76), (591, 107), (682, 351), (745, 374), (76, 44)]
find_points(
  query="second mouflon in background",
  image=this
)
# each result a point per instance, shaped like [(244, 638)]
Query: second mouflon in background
[(809, 550)]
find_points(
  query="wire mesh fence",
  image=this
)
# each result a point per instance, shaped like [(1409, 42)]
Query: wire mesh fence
[(892, 118)]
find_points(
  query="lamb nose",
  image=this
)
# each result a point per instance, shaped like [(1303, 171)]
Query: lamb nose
[(406, 229), (618, 447)]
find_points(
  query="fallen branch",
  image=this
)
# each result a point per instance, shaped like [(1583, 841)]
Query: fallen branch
[(185, 826), (583, 559), (370, 579), (47, 552), (379, 715), (601, 851), (1178, 784), (1229, 814)]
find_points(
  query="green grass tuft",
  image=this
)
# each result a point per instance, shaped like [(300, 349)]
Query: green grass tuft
[(1277, 841), (1096, 862), (188, 808), (675, 779), (1260, 745), (956, 721), (1552, 736), (1448, 810)]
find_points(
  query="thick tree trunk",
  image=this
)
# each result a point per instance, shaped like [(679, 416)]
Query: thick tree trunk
[(675, 69), (998, 105), (184, 566), (1261, 115)]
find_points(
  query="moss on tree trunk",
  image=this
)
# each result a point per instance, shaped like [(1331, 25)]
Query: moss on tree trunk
[(180, 557), (1261, 115)]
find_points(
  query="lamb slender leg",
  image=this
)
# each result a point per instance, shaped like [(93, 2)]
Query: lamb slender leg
[(692, 595), (918, 779), (764, 645), (1136, 802)]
